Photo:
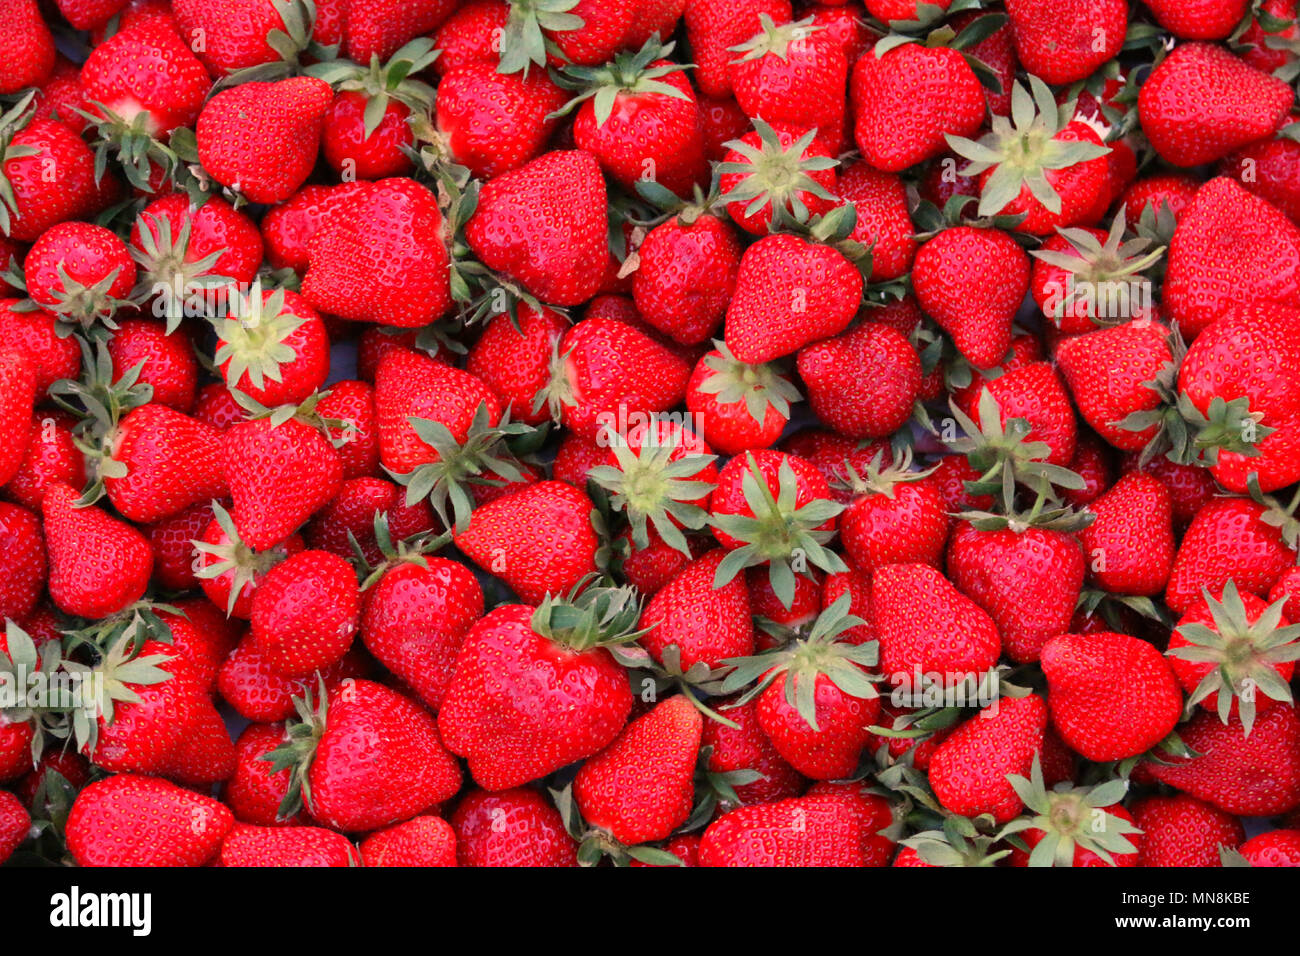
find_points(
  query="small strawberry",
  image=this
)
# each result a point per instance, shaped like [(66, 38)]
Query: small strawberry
[(247, 845), (258, 692), (517, 827), (738, 406), (1179, 830), (746, 747), (884, 223), (685, 276), (273, 347), (81, 272), (1129, 547), (513, 357), (422, 841), (704, 623), (895, 515), (305, 612), (98, 564)]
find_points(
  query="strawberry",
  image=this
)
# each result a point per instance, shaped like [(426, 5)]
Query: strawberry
[(414, 620), (1040, 162), (704, 623), (543, 224), (305, 612), (514, 652), (969, 771), (517, 827), (129, 820), (1026, 577), (1277, 848), (17, 396), (737, 406), (884, 223), (606, 374), (1034, 394), (1064, 41), (15, 824), (98, 564), (22, 562), (686, 275), (776, 173), (847, 398), (815, 700), (351, 517), (895, 515), (949, 274), (52, 456), (746, 747), (379, 256), (513, 357), (80, 272), (237, 34), (1074, 826), (167, 363), (642, 786), (800, 831), (33, 200), (280, 474), (713, 28), (167, 462), (1235, 654), (1129, 547), (1228, 241), (1268, 168), (1179, 830), (272, 346), (492, 122), (1272, 21), (907, 98), (257, 691), (1251, 776), (261, 139), (35, 336), (638, 116), (229, 571), (27, 50), (1199, 19), (247, 845), (793, 73), (405, 771), (1112, 696), (790, 292), (1236, 104), (352, 403), (423, 841), (924, 623), (1229, 539)]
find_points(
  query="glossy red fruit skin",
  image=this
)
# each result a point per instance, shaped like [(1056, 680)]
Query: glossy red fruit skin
[(351, 517), (883, 223), (491, 713), (1130, 544), (98, 564), (729, 498), (548, 249), (215, 227), (422, 841), (146, 67), (515, 827), (15, 824), (924, 623), (40, 202), (1112, 696), (173, 462), (1226, 539), (968, 770), (1270, 169), (1275, 848), (380, 256), (415, 619), (128, 820), (258, 692), (908, 526), (640, 788), (253, 792), (747, 746), (87, 253), (864, 382), (686, 277), (1105, 371), (704, 623), (713, 28), (347, 148), (169, 363), (305, 612), (1179, 830), (248, 845), (22, 561), (1250, 776), (1063, 42), (800, 831), (516, 363), (833, 750)]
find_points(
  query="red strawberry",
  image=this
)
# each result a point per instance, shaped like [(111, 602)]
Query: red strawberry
[(1250, 776), (230, 571), (1268, 168), (98, 564), (17, 396), (746, 747), (883, 220), (896, 516), (1199, 19), (950, 274), (261, 138), (1129, 547), (15, 824), (35, 336), (513, 357), (403, 771), (273, 347), (1235, 104), (926, 624), (254, 792), (351, 517), (27, 49), (167, 362), (1075, 826), (790, 292), (423, 841), (801, 831), (736, 406), (257, 691), (380, 256), (969, 769), (714, 27), (414, 621), (1227, 540), (1063, 41), (543, 224), (642, 786), (352, 403), (169, 462), (305, 612), (236, 33), (247, 845), (686, 275), (516, 827), (1277, 848), (1179, 830), (79, 271), (39, 200), (129, 820), (22, 562), (705, 624), (52, 457), (864, 382), (1112, 696), (777, 173), (907, 99)]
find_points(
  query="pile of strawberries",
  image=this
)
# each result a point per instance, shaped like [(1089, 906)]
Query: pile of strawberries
[(650, 432)]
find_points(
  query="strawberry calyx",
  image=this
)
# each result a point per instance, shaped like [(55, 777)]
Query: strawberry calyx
[(336, 430), (244, 565), (178, 285), (119, 668), (135, 624), (1070, 817), (694, 682), (291, 43), (253, 336), (411, 550), (1243, 654), (1278, 515), (484, 458), (958, 842), (23, 663), (778, 533), (653, 490), (590, 616), (628, 74), (596, 844), (88, 309), (774, 176), (1100, 272), (298, 751), (775, 40), (526, 41), (714, 790), (383, 83), (12, 121), (802, 661), (134, 142), (928, 29), (1093, 601), (882, 475), (758, 386), (1022, 148), (1058, 517)]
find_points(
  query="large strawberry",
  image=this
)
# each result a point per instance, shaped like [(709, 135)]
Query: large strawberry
[(27, 48), (404, 770), (98, 564), (1229, 539), (1179, 830), (801, 831), (162, 462), (925, 624), (1063, 41), (535, 689), (686, 273), (516, 827), (864, 382), (129, 820)]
